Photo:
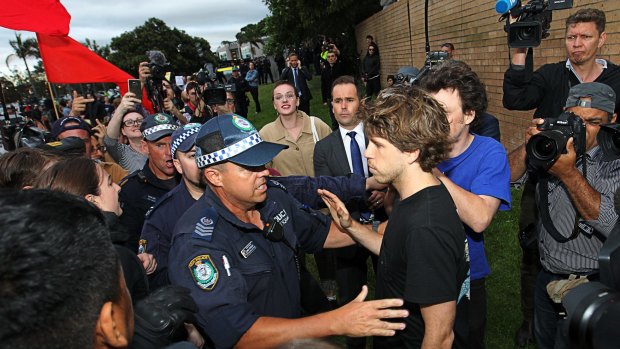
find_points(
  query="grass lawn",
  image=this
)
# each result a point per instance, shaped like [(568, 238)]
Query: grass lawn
[(503, 251)]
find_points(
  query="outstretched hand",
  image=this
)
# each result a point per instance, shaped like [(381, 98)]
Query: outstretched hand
[(359, 318), (340, 214)]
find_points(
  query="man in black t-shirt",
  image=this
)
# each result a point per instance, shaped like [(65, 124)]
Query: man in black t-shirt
[(422, 250)]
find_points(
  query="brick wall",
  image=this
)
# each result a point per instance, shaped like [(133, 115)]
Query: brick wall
[(472, 26)]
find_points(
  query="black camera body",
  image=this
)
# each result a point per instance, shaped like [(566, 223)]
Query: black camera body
[(158, 64), (544, 148), (533, 23), (216, 94)]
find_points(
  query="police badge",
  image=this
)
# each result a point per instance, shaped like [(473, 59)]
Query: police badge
[(204, 272)]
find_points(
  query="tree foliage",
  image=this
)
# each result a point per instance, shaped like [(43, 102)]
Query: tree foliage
[(252, 34), (294, 22), (24, 49), (186, 53), (103, 51)]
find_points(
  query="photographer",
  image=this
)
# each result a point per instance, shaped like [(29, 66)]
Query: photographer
[(576, 210), (241, 87), (170, 100), (546, 89), (195, 108)]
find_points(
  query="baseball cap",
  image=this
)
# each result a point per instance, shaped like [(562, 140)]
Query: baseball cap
[(232, 138), (157, 126), (601, 96), (235, 68), (184, 137), (69, 123), (66, 146)]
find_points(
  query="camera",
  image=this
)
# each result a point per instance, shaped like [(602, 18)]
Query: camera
[(608, 139), (533, 21), (159, 66), (216, 94), (593, 309), (544, 148)]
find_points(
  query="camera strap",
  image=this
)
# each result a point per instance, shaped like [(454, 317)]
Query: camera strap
[(543, 209)]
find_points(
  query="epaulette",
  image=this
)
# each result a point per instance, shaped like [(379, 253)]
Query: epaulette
[(272, 183), (130, 176), (204, 227)]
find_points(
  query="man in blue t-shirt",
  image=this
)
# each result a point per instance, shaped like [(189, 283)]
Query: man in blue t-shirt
[(476, 174)]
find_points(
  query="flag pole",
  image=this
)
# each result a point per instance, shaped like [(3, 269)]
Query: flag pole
[(49, 87)]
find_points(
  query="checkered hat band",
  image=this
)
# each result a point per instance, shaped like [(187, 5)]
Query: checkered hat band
[(230, 151), (185, 135), (150, 131)]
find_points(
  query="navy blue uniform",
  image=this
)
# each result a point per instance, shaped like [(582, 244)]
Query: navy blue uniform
[(234, 273), (139, 192), (163, 216), (158, 226)]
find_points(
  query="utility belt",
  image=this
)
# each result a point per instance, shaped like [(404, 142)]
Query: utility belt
[(557, 289)]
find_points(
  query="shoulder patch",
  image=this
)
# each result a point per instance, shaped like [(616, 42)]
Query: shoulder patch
[(204, 272), (272, 183), (205, 225)]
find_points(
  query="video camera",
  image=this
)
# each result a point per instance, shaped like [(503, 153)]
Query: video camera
[(533, 20), (593, 309), (159, 66), (216, 94), (432, 59), (544, 148)]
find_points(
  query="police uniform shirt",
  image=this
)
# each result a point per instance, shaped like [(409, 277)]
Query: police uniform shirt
[(139, 192), (158, 227), (234, 273)]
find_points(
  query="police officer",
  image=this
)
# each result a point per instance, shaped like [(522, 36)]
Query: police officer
[(235, 249), (163, 216), (141, 189)]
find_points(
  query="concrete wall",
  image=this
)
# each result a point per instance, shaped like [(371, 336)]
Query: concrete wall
[(472, 26)]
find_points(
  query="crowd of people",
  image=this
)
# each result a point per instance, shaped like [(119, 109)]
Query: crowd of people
[(181, 225)]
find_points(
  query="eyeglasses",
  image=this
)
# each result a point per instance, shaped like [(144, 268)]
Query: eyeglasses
[(288, 96), (371, 49), (230, 101), (130, 123)]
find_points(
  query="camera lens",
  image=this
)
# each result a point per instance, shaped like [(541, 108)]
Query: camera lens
[(527, 33), (544, 148)]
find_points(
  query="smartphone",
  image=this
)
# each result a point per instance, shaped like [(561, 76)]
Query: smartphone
[(134, 87)]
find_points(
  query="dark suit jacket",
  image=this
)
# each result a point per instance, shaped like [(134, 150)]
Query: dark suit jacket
[(330, 159), (303, 76)]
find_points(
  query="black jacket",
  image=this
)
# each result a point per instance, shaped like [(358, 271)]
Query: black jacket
[(547, 88), (303, 76), (328, 75)]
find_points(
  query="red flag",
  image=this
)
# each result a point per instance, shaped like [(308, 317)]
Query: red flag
[(41, 16), (66, 61)]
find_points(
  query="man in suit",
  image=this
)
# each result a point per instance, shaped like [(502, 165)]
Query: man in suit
[(298, 76), (341, 153)]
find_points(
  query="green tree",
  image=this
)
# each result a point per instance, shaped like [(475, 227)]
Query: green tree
[(252, 34), (103, 51), (186, 53), (24, 49), (294, 22)]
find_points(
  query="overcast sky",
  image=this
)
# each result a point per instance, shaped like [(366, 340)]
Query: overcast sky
[(102, 20)]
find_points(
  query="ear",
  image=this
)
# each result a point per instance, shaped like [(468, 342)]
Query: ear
[(602, 39), (468, 117), (108, 333), (613, 118), (144, 147), (177, 165), (412, 156), (90, 197), (213, 176)]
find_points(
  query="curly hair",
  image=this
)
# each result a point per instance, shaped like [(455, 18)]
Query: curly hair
[(587, 15), (410, 119), (457, 75)]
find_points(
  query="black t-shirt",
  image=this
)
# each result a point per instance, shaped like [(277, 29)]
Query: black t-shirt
[(422, 260)]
